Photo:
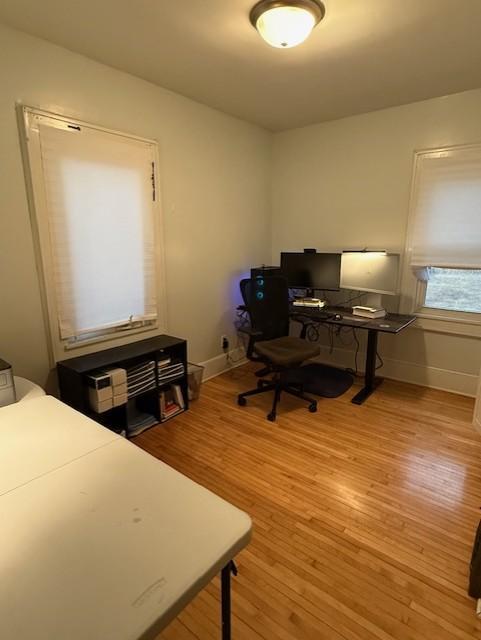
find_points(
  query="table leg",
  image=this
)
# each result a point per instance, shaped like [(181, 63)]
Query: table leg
[(225, 595), (370, 380)]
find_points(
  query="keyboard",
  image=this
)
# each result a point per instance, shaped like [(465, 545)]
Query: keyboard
[(312, 312)]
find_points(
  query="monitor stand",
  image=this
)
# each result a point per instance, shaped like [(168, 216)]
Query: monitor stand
[(373, 300)]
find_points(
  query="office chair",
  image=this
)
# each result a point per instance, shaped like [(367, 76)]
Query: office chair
[(266, 301)]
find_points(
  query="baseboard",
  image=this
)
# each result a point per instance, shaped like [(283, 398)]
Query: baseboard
[(444, 379), (215, 366), (433, 377)]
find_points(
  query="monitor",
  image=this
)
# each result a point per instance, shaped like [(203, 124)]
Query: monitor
[(370, 271), (311, 270)]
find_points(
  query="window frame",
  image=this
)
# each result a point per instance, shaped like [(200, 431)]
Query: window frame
[(59, 349), (414, 290)]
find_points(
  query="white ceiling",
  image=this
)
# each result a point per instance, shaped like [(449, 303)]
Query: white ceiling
[(365, 54)]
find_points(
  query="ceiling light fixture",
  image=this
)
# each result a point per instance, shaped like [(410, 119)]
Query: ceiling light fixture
[(287, 23)]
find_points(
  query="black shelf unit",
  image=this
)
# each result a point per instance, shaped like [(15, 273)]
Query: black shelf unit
[(72, 378)]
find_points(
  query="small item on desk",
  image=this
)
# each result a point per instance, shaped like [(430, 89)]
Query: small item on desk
[(309, 302), (337, 316), (369, 312)]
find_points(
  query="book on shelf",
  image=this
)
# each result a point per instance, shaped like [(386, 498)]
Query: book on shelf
[(171, 407), (178, 395), (171, 402)]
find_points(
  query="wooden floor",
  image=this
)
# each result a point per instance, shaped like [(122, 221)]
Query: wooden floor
[(364, 517)]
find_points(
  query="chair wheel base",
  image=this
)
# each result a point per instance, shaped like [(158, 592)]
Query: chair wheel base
[(313, 407), (241, 401), (271, 417)]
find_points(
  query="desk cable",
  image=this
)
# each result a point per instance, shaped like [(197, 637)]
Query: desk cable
[(241, 321), (313, 335)]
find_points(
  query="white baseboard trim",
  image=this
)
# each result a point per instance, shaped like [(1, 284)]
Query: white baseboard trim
[(215, 366), (433, 377)]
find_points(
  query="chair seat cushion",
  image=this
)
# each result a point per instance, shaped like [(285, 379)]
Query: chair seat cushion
[(286, 351)]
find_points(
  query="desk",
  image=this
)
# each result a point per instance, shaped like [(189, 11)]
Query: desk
[(99, 539), (393, 323)]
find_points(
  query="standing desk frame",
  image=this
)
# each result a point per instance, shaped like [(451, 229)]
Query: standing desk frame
[(392, 323)]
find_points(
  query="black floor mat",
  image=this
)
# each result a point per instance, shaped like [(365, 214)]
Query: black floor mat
[(320, 379)]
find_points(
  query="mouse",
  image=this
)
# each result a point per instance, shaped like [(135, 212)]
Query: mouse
[(338, 316)]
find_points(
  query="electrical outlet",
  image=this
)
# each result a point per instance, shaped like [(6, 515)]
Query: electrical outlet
[(224, 343)]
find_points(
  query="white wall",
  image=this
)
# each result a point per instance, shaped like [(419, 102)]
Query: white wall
[(215, 193), (339, 184), (346, 184)]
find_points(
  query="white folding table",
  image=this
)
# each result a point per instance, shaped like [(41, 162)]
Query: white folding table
[(98, 539)]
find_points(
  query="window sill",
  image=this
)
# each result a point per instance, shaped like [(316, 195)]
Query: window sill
[(105, 342), (461, 326)]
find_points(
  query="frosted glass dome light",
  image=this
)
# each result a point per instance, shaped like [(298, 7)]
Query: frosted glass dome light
[(286, 24)]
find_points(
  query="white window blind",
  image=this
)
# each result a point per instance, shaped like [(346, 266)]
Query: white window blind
[(99, 190), (445, 230)]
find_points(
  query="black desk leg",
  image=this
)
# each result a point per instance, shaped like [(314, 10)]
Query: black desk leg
[(225, 589), (370, 380)]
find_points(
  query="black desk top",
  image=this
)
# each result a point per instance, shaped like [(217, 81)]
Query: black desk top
[(391, 323)]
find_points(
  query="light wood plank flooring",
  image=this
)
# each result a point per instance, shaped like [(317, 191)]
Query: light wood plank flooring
[(364, 517)]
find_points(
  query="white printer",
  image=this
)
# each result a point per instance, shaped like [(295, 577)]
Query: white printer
[(7, 385)]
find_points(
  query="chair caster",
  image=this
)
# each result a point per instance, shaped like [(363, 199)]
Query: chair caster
[(271, 417), (260, 384), (241, 401), (313, 407)]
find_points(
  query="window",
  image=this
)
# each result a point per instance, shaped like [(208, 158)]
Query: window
[(444, 235), (454, 289), (96, 214)]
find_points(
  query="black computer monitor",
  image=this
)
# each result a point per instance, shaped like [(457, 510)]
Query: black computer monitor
[(320, 271)]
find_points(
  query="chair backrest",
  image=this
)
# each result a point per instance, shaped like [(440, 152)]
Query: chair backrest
[(267, 302)]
